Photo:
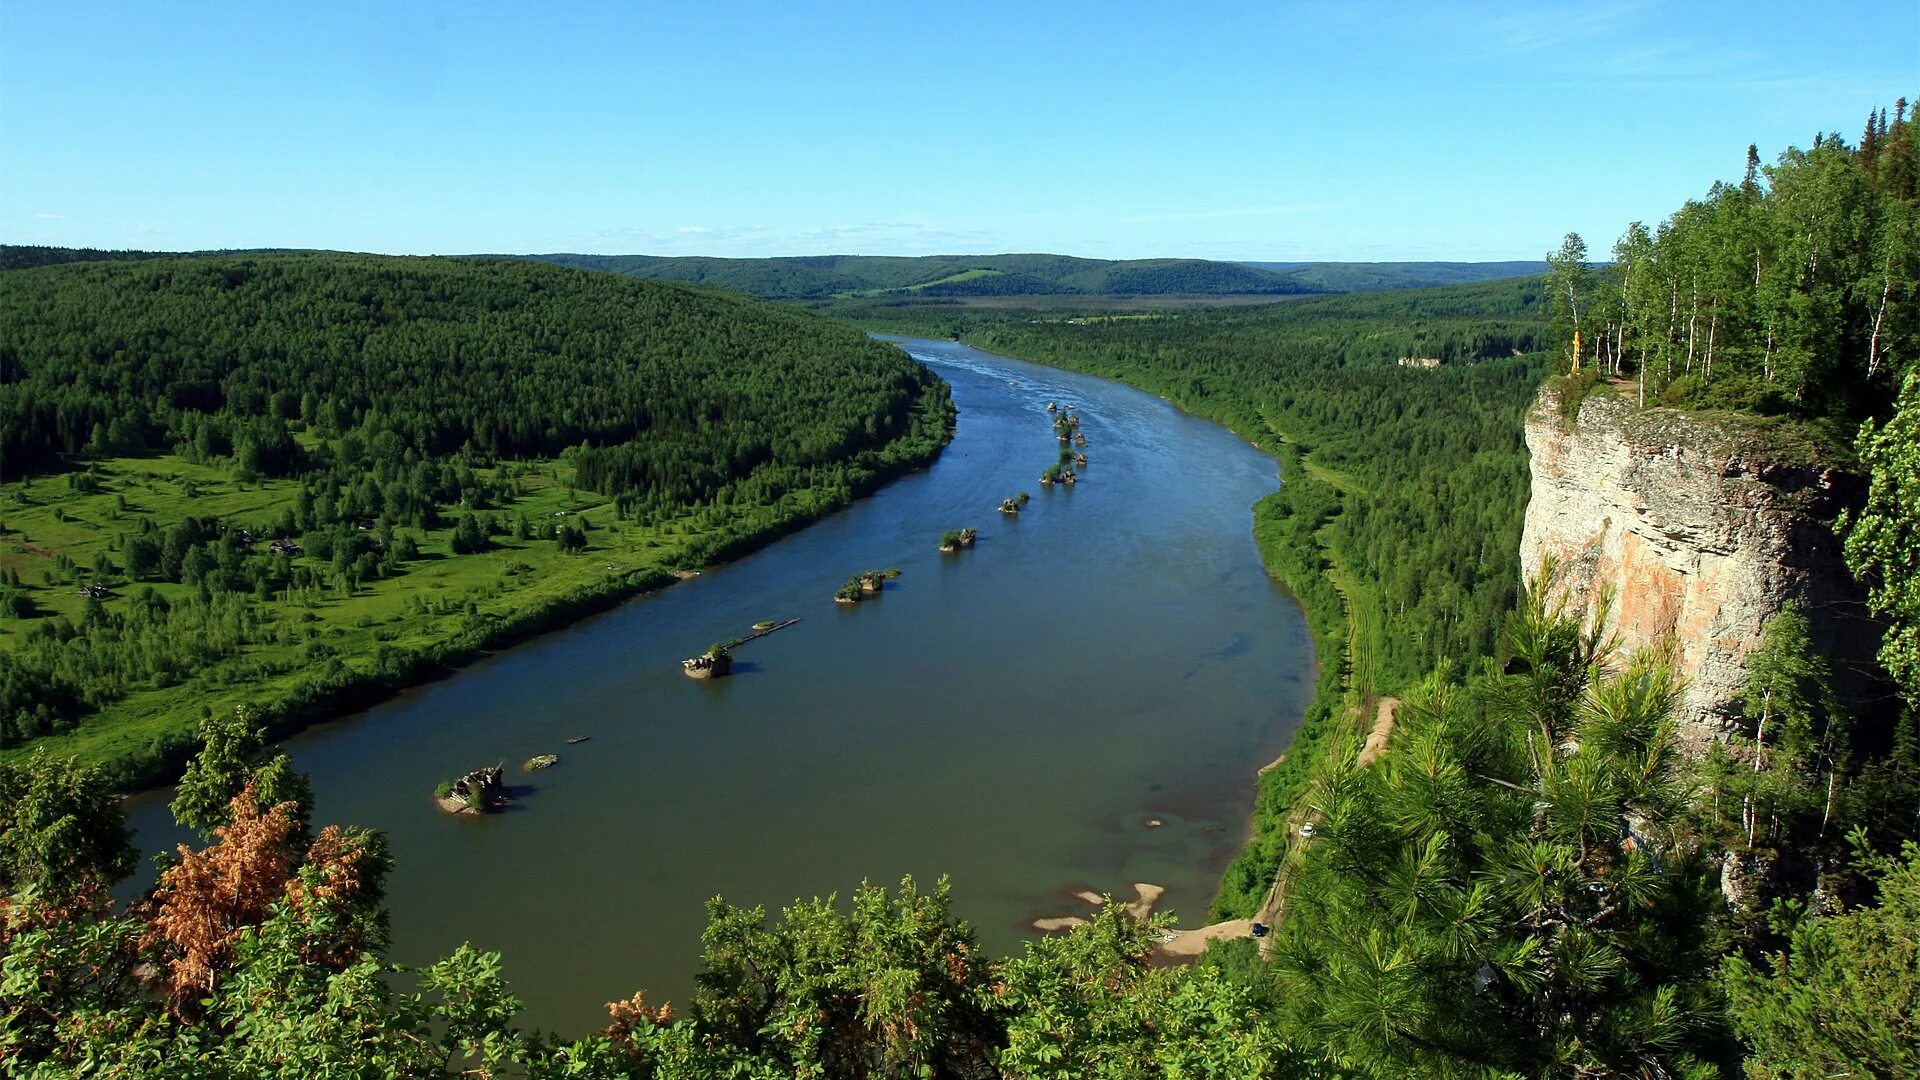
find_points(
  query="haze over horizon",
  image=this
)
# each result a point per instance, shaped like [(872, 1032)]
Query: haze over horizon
[(1244, 132)]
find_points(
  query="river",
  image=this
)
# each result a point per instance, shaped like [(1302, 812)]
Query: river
[(1013, 716)]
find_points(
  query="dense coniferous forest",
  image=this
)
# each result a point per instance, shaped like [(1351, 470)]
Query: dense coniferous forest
[(209, 462)]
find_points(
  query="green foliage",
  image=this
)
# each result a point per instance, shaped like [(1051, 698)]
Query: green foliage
[(390, 351), (1505, 890), (889, 987), (1088, 1004), (468, 537), (1883, 538), (233, 752), (1842, 999), (61, 830), (1796, 290), (1568, 283)]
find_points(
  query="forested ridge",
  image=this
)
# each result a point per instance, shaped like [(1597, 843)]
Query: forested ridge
[(1372, 276), (824, 277), (224, 473), (821, 277)]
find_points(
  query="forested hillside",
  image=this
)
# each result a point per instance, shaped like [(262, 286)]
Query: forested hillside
[(824, 277), (24, 256), (238, 479), (1374, 276)]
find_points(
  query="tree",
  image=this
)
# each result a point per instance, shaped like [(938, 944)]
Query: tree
[(1569, 276), (1504, 890), (893, 986), (1787, 699), (1089, 1004), (1883, 538), (1843, 999), (233, 757), (468, 537), (62, 834)]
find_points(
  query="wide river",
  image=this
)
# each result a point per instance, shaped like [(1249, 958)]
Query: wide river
[(1013, 716)]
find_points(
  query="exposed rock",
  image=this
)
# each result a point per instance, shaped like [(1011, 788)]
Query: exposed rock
[(540, 761), (708, 665), (1703, 532), (478, 792)]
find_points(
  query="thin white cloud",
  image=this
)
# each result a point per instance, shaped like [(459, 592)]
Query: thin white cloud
[(1536, 27), (45, 215), (1234, 212)]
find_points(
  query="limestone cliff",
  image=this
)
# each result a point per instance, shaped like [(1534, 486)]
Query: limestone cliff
[(1702, 531)]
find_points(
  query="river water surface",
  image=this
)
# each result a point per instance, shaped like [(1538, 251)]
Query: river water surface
[(1012, 716)]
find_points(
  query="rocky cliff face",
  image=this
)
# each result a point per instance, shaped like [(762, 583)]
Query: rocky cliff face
[(1703, 533)]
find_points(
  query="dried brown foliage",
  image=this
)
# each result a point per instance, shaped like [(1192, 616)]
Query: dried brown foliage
[(627, 1017), (339, 874), (205, 902)]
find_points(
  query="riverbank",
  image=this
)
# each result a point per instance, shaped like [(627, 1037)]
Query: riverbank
[(446, 612), (1290, 530)]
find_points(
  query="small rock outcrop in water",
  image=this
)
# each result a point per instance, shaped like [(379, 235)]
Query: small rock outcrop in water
[(1703, 532), (954, 539), (540, 761), (712, 664), (864, 584), (480, 791)]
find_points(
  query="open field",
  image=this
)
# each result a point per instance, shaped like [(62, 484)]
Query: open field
[(300, 652)]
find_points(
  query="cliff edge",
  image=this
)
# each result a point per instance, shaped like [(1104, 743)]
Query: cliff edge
[(1703, 531)]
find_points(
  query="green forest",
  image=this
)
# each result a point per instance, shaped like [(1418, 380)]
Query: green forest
[(825, 277), (1528, 883), (294, 481), (1374, 276), (1790, 292)]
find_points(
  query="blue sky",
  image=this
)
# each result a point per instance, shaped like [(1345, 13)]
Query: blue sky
[(1234, 131)]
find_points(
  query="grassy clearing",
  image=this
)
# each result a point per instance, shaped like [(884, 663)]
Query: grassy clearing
[(429, 615)]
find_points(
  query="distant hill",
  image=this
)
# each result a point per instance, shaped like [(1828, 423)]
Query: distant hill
[(1376, 276), (827, 277), (27, 256), (823, 277)]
